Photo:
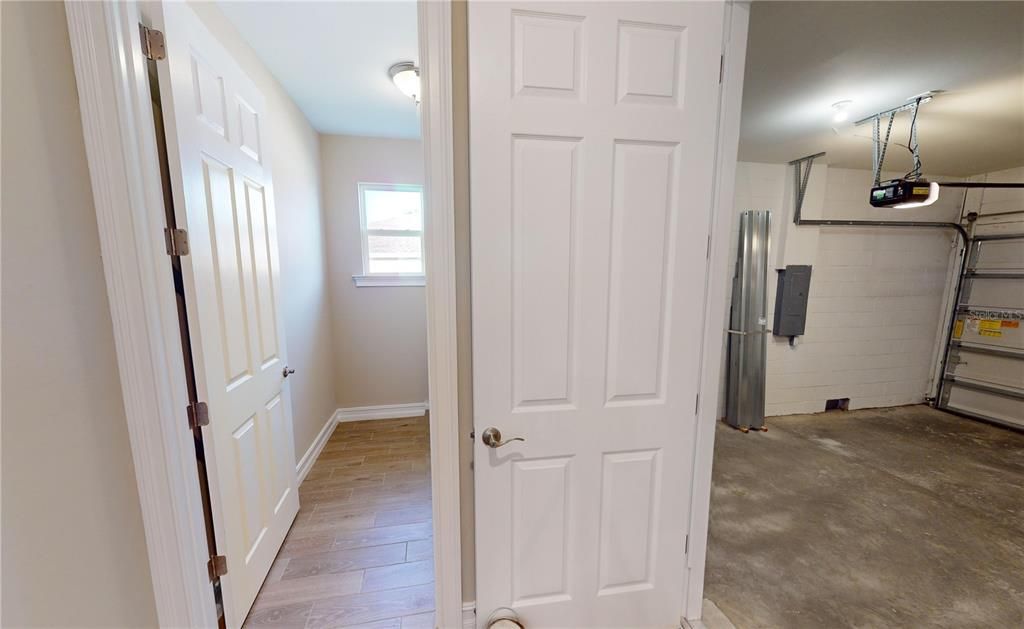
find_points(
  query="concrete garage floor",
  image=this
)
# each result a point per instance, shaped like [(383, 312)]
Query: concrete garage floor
[(894, 517)]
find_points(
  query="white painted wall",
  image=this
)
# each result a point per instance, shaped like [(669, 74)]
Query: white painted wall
[(876, 302), (380, 333), (74, 551), (305, 291)]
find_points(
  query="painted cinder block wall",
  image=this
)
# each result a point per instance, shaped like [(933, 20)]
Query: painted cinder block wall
[(877, 296)]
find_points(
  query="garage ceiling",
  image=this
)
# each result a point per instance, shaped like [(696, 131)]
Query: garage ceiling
[(804, 56)]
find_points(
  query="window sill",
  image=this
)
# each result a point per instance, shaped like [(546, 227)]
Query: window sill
[(363, 281)]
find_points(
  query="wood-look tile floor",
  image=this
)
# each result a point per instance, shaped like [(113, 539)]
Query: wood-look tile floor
[(360, 551)]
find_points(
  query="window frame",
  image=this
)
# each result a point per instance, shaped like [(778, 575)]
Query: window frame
[(368, 278)]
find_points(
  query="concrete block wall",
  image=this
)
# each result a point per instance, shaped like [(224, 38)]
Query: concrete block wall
[(877, 295), (994, 200)]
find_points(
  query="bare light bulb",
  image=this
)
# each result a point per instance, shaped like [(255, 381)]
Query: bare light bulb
[(842, 111)]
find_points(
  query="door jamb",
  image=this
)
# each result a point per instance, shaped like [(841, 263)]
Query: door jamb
[(716, 291), (121, 151)]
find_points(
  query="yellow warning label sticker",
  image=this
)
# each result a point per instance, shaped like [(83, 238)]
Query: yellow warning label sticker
[(958, 328), (919, 190), (990, 327)]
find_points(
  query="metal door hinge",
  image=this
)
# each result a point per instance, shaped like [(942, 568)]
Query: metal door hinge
[(153, 46), (696, 404), (198, 415), (177, 241), (218, 566), (721, 68)]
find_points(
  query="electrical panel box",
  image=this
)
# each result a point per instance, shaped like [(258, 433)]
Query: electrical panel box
[(791, 300)]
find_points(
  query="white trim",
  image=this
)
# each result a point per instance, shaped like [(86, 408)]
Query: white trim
[(121, 150), (734, 46), (120, 145), (468, 615), (383, 411), (437, 128), (313, 453), (363, 281)]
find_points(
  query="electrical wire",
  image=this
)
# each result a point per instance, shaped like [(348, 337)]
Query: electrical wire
[(915, 173)]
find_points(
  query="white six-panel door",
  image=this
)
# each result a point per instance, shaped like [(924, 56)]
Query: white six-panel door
[(219, 160), (593, 132)]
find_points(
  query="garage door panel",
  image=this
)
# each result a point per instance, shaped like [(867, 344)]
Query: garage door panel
[(998, 330), (996, 293), (976, 364), (986, 405)]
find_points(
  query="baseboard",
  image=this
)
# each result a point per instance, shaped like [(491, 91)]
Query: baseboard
[(469, 615), (353, 414), (383, 411), (309, 458), (711, 618)]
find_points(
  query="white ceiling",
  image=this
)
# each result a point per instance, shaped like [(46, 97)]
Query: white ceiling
[(333, 58), (804, 56)]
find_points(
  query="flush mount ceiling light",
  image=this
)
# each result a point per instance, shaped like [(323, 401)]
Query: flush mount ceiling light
[(406, 77), (841, 110)]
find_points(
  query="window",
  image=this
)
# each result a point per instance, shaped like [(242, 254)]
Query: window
[(391, 228)]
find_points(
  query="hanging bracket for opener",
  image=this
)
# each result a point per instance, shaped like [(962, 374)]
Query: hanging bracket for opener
[(880, 146), (801, 176)]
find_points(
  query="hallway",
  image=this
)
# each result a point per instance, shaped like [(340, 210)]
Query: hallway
[(360, 550)]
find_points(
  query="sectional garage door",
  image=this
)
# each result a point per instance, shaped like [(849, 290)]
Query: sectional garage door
[(984, 376)]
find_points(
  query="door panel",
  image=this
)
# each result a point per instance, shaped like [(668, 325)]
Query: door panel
[(223, 195), (592, 138)]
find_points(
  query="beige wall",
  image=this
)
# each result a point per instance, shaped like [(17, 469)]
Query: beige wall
[(305, 293), (74, 553), (380, 333)]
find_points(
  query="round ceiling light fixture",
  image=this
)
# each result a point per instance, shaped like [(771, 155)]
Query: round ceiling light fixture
[(841, 111), (406, 77)]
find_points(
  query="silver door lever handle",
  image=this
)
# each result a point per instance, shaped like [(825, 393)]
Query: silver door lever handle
[(287, 371), (492, 438)]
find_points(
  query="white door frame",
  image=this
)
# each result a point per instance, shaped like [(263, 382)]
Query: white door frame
[(716, 291), (124, 170)]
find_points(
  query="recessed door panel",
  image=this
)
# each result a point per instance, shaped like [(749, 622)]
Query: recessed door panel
[(263, 279), (227, 240), (545, 197), (643, 205), (540, 536), (630, 491)]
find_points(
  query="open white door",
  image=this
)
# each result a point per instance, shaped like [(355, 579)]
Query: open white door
[(219, 161), (592, 142)]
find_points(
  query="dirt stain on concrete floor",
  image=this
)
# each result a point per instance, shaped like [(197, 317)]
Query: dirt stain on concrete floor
[(895, 517)]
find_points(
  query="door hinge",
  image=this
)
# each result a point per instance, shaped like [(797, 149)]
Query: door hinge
[(721, 67), (686, 544), (177, 241), (696, 404), (218, 566), (153, 46), (198, 415), (707, 254)]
